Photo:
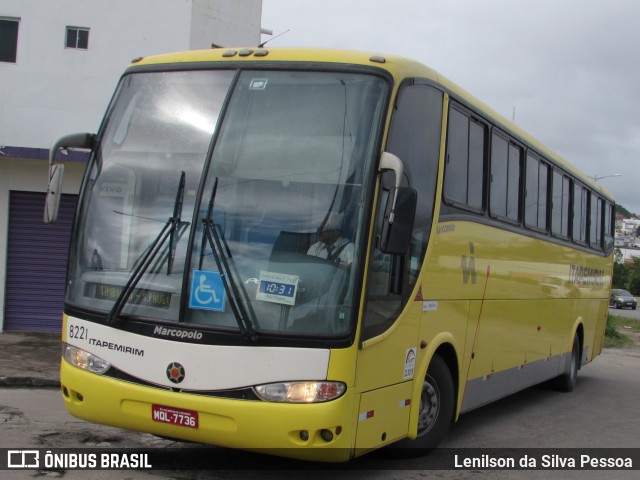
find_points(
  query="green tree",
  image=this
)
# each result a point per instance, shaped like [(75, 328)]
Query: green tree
[(620, 276), (634, 276), (624, 211)]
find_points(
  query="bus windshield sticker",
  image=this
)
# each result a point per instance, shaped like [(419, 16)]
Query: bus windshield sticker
[(207, 291), (258, 84), (277, 288)]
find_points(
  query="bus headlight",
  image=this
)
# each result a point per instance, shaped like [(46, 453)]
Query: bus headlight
[(85, 360), (300, 392)]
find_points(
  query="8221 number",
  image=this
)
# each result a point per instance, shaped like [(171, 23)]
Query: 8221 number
[(78, 332)]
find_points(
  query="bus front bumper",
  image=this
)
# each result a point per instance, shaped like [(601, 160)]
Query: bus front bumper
[(318, 432)]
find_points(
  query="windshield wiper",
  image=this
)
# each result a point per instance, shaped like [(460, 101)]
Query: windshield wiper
[(238, 296), (177, 213), (142, 263)]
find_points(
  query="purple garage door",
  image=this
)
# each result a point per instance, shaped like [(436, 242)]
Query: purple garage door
[(36, 263)]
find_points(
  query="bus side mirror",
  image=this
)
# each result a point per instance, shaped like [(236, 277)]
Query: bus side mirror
[(400, 210), (52, 201), (396, 234), (56, 171)]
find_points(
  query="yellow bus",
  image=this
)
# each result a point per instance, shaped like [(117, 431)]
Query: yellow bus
[(318, 253)]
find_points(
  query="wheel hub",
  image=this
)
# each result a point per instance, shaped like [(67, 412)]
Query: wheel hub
[(429, 407)]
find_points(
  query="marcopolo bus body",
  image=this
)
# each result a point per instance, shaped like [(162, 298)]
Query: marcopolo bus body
[(319, 253)]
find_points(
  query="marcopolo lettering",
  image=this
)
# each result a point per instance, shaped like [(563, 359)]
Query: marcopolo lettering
[(177, 333)]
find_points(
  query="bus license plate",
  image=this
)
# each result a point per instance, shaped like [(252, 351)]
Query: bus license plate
[(174, 416)]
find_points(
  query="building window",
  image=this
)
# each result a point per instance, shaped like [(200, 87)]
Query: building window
[(77, 37), (9, 39)]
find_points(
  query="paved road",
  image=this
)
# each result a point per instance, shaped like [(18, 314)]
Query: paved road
[(601, 412), (625, 312)]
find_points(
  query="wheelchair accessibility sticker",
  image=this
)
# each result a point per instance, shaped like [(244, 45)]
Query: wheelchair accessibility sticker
[(207, 291)]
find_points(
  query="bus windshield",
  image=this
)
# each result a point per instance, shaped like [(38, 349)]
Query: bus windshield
[(232, 199)]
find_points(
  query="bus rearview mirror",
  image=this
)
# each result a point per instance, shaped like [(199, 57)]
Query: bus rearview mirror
[(56, 171), (52, 201)]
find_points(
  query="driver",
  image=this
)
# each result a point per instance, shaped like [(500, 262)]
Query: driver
[(331, 243)]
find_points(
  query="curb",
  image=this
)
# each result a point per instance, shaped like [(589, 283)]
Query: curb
[(28, 382)]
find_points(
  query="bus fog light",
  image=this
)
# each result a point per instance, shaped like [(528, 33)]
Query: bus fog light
[(300, 392), (85, 360), (327, 435)]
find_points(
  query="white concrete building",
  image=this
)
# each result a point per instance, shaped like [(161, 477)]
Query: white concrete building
[(59, 64), (626, 255), (630, 226)]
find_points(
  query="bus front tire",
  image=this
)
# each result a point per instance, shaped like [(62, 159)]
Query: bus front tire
[(437, 402)]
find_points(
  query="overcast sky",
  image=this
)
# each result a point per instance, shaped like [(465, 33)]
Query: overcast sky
[(571, 68)]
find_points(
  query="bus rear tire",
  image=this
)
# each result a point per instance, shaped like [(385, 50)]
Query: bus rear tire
[(437, 402), (567, 381)]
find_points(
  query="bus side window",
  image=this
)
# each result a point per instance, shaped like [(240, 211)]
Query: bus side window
[(609, 226), (386, 275), (537, 177), (414, 136), (595, 223), (465, 167), (506, 166), (579, 214), (561, 195)]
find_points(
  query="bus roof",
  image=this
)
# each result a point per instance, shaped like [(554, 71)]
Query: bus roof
[(400, 68)]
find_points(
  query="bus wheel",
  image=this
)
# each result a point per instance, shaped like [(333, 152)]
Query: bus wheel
[(567, 381), (436, 411)]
